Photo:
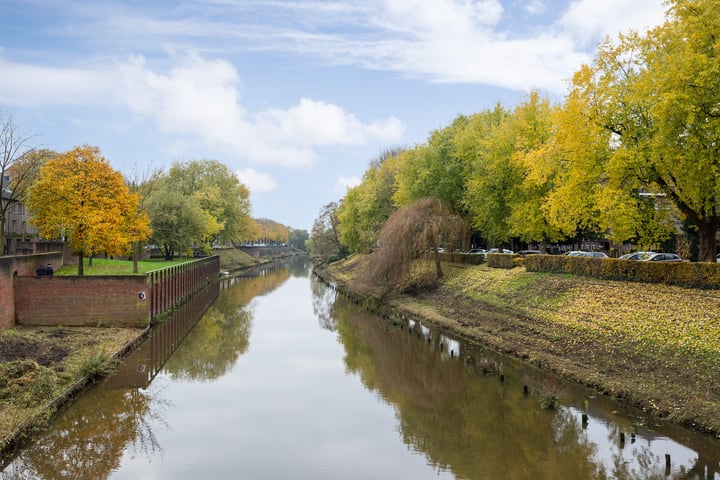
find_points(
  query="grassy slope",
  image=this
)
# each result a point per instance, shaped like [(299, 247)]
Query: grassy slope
[(652, 345)]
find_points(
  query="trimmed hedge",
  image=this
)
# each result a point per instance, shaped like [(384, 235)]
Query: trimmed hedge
[(461, 257), (501, 260), (686, 274)]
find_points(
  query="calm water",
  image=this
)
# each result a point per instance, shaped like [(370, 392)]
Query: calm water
[(281, 378)]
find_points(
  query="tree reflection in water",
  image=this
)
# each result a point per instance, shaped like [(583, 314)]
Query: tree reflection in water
[(124, 418), (476, 426), (113, 420), (454, 411)]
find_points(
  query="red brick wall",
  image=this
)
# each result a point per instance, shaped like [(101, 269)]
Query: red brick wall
[(11, 266), (82, 301)]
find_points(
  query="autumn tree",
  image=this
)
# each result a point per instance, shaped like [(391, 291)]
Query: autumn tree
[(19, 165), (269, 231), (534, 129), (658, 94), (80, 198), (410, 234)]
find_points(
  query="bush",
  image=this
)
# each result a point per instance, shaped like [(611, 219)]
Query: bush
[(501, 260), (686, 274), (461, 257)]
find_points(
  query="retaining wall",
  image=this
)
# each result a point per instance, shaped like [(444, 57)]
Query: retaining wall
[(108, 301), (12, 267), (82, 301), (170, 286)]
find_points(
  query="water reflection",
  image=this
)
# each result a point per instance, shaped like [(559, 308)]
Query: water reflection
[(255, 389), (469, 422), (116, 419)]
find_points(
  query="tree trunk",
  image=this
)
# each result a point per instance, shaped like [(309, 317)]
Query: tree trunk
[(81, 271), (708, 231), (436, 257), (136, 254)]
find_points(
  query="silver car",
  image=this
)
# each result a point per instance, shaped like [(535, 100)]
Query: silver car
[(581, 253), (662, 257)]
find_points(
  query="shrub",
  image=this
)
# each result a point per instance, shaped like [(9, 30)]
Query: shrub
[(461, 257), (696, 275), (501, 260)]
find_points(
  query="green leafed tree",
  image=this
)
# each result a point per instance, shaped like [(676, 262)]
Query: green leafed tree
[(324, 238), (215, 189), (298, 238), (177, 221), (366, 207), (489, 147), (435, 169)]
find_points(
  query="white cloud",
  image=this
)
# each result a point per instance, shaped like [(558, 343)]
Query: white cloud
[(320, 123), (534, 7), (257, 182), (32, 85), (459, 41), (441, 15), (343, 183), (198, 102), (589, 20)]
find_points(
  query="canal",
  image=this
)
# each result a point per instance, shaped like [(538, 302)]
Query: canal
[(274, 375)]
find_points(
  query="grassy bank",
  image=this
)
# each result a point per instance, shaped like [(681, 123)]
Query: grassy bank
[(655, 346), (39, 364)]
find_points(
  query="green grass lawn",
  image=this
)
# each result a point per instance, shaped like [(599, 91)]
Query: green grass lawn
[(102, 266), (229, 259)]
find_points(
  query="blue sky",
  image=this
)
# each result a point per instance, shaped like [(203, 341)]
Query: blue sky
[(297, 97)]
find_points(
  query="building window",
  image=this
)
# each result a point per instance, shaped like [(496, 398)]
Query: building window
[(14, 226), (22, 227)]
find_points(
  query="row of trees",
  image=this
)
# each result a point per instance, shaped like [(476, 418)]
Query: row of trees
[(268, 231), (78, 197), (632, 150)]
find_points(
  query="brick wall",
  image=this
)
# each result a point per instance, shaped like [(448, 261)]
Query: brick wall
[(82, 301), (10, 268)]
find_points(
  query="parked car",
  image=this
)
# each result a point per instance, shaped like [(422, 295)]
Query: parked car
[(717, 258), (635, 255), (581, 253), (662, 257), (525, 253), (499, 250), (477, 251)]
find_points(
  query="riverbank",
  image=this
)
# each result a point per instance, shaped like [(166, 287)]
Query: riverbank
[(653, 346), (43, 367)]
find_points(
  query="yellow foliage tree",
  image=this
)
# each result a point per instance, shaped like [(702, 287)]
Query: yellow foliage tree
[(80, 198)]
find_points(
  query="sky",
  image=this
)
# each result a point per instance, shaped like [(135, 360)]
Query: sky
[(296, 97)]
